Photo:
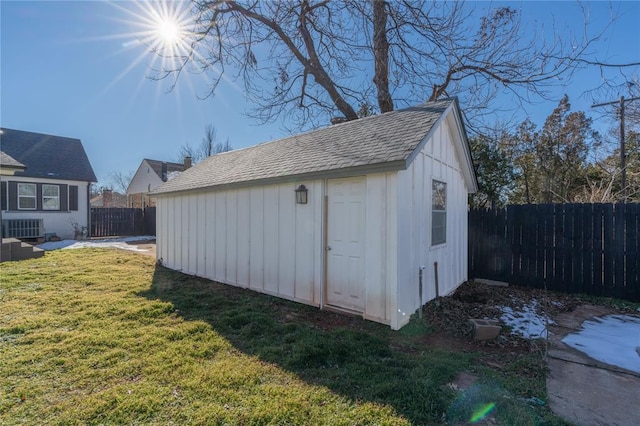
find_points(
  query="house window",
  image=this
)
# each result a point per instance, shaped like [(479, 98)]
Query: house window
[(26, 196), (438, 213), (50, 197)]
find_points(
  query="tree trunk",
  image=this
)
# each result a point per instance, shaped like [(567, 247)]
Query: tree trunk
[(381, 56)]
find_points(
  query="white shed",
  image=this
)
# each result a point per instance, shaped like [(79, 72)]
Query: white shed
[(387, 199)]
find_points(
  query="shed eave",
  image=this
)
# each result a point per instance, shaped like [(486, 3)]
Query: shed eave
[(324, 174), (430, 133), (468, 171)]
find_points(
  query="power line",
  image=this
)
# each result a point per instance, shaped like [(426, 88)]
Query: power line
[(623, 155)]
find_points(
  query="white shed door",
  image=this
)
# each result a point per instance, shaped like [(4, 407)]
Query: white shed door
[(345, 245)]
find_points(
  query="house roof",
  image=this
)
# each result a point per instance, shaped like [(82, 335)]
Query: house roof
[(47, 156), (381, 142), (117, 200), (156, 165), (8, 161)]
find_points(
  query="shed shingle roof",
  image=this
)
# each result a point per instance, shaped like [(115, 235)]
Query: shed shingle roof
[(388, 138), (47, 156)]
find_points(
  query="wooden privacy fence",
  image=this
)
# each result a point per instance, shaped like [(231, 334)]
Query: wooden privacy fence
[(573, 248), (112, 221)]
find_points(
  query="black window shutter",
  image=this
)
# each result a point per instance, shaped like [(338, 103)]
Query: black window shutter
[(3, 194), (39, 197), (73, 198), (13, 196), (63, 198)]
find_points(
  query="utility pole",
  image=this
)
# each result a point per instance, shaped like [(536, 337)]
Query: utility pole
[(623, 155)]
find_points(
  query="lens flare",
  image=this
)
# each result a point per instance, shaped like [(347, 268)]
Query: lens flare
[(482, 411)]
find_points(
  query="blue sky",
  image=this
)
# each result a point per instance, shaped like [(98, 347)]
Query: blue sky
[(75, 69)]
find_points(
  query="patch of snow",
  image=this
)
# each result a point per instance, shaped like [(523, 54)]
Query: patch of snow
[(120, 243), (172, 175), (612, 339), (55, 245), (525, 321)]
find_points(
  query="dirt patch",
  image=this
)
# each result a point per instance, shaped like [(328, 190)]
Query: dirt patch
[(147, 247), (324, 320), (448, 317), (574, 319)]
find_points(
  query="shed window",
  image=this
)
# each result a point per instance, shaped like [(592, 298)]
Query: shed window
[(50, 197), (26, 196), (438, 213)]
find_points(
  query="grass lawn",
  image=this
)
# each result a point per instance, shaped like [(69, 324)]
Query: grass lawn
[(99, 336)]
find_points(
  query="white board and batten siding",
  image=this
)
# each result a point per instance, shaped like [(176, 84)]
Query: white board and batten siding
[(438, 160), (259, 238), (381, 248), (253, 237)]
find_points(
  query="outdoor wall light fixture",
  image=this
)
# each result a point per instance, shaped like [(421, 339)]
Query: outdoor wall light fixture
[(301, 195)]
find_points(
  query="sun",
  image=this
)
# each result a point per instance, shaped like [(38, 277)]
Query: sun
[(167, 24), (169, 31), (164, 26)]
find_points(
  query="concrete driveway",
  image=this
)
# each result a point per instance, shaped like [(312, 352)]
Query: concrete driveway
[(582, 390)]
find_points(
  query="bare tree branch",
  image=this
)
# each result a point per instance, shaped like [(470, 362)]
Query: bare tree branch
[(312, 59), (208, 147)]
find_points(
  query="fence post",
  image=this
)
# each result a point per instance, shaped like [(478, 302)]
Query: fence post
[(632, 251), (619, 287), (588, 248)]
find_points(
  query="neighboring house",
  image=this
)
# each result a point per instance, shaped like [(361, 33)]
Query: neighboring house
[(51, 194), (108, 198), (150, 175), (386, 199)]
